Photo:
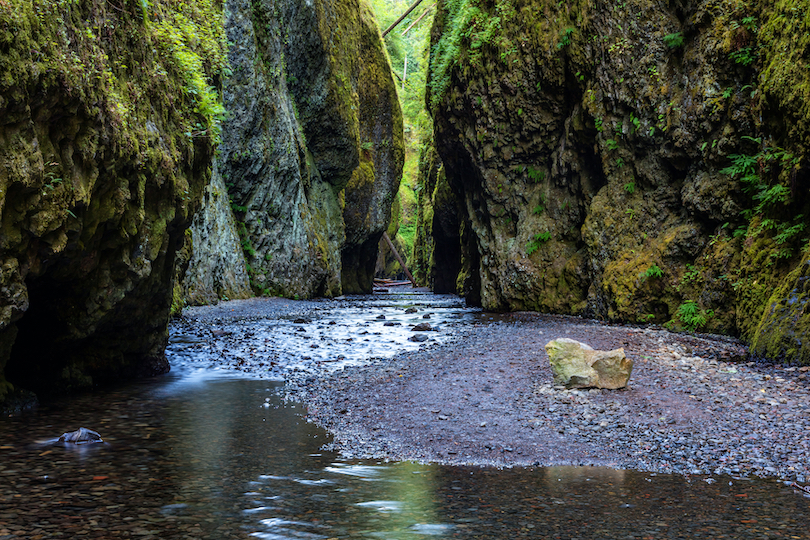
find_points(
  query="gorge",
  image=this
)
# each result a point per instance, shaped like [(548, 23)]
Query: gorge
[(640, 162)]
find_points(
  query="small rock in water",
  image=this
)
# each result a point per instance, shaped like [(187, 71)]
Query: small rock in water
[(421, 327), (418, 338), (381, 317), (391, 323), (426, 316), (302, 321), (81, 436), (410, 310)]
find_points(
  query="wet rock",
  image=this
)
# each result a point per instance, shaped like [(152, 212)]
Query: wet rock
[(411, 310), (81, 436), (422, 327), (418, 338), (577, 365)]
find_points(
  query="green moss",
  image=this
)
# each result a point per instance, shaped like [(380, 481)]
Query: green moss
[(782, 331), (166, 75), (786, 54)]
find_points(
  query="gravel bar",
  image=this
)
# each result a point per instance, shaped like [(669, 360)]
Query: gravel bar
[(694, 405)]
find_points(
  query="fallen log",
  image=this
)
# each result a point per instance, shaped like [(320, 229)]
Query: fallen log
[(392, 284), (422, 16), (402, 17), (398, 258)]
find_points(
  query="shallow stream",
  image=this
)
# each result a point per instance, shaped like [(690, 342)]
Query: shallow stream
[(202, 453)]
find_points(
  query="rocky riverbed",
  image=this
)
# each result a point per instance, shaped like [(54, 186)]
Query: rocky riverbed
[(693, 406)]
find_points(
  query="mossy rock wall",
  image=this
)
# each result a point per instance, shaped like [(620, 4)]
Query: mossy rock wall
[(108, 121), (311, 151), (636, 161)]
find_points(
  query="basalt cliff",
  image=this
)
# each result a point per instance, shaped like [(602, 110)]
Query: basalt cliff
[(311, 154), (160, 153), (638, 161)]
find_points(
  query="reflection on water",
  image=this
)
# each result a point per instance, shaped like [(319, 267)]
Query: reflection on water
[(226, 459)]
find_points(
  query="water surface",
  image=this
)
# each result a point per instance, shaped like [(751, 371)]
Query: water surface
[(199, 454)]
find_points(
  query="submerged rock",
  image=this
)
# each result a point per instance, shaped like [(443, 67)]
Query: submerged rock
[(577, 365), (81, 436)]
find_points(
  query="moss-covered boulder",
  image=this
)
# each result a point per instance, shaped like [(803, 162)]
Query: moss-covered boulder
[(108, 120), (638, 162)]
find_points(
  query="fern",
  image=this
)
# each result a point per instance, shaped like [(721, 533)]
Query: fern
[(692, 316)]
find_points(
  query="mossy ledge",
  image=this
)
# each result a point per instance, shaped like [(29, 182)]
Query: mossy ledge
[(109, 115)]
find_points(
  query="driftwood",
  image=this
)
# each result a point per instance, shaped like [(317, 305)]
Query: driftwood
[(803, 488)]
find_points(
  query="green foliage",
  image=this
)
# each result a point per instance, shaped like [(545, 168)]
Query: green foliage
[(635, 121), (535, 175), (536, 241), (471, 27), (652, 272), (244, 239), (630, 187), (673, 41), (445, 52), (413, 47), (181, 37), (611, 144), (745, 56), (692, 316), (565, 37), (769, 197), (691, 275)]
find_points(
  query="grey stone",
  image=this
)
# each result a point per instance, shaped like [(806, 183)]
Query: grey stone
[(81, 436), (577, 365)]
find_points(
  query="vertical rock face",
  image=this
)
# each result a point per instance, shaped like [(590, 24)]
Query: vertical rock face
[(108, 120), (216, 269), (312, 150), (636, 161)]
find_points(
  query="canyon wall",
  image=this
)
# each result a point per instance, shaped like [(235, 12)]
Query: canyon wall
[(111, 120), (312, 150), (108, 123), (637, 161)]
